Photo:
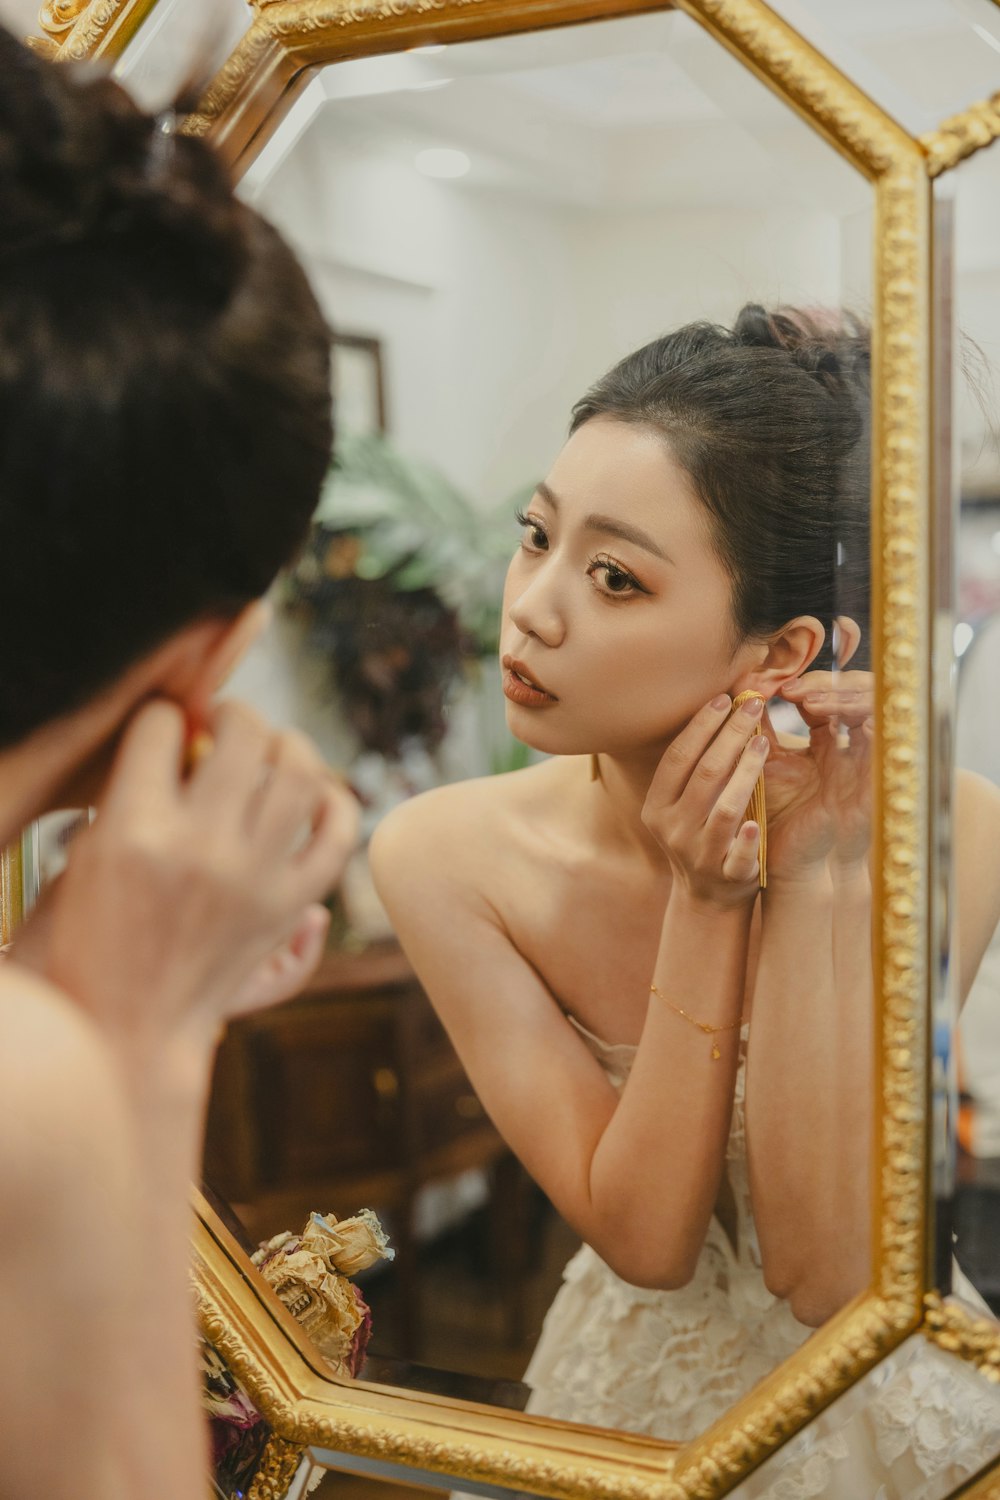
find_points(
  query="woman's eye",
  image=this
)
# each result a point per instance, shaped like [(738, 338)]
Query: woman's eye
[(609, 578), (533, 535)]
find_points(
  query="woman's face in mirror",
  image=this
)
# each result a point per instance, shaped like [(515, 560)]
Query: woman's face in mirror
[(616, 602)]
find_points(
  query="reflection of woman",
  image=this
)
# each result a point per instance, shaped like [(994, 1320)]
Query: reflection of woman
[(680, 1061)]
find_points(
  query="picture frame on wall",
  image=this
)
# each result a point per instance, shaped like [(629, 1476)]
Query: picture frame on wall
[(358, 381)]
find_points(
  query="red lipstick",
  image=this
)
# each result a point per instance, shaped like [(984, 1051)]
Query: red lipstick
[(521, 687)]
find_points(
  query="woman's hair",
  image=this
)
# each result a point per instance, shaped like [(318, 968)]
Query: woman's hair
[(771, 422), (164, 389)]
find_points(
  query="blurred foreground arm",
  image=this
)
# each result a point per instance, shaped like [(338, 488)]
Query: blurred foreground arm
[(191, 897)]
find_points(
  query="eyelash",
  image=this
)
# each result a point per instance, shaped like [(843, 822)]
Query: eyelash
[(603, 561)]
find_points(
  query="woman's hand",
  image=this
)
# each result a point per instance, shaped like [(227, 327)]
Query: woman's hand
[(819, 795), (698, 799), (193, 896)]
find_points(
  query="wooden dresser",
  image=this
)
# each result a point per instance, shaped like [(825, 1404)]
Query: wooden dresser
[(351, 1096)]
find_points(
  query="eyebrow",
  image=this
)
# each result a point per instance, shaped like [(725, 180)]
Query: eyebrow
[(608, 526)]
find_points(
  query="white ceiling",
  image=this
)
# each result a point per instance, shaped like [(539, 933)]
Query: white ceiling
[(631, 113)]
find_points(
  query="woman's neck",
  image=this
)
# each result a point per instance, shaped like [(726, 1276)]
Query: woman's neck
[(618, 790)]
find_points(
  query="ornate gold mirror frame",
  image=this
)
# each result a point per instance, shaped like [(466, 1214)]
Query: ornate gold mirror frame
[(286, 42), (78, 29)]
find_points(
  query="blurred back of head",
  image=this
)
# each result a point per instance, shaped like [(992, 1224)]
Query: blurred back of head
[(164, 389)]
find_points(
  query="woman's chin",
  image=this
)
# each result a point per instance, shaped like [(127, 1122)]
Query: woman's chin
[(545, 738)]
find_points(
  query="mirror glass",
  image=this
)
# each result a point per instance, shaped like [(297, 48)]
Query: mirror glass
[(491, 226), (977, 656), (178, 40)]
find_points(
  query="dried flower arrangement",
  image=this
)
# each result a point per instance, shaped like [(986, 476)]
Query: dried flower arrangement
[(310, 1273), (401, 585)]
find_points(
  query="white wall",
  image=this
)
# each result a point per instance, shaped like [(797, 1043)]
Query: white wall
[(496, 311)]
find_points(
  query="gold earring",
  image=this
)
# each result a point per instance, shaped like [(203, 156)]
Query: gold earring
[(757, 806)]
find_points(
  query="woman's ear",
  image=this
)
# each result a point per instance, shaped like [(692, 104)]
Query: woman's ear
[(846, 639), (786, 655)]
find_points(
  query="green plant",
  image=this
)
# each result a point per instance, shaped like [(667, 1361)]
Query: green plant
[(418, 530), (401, 584)]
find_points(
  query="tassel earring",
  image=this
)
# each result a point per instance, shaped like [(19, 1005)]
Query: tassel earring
[(757, 806)]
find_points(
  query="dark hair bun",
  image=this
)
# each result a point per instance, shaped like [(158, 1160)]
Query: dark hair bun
[(79, 161), (828, 344)]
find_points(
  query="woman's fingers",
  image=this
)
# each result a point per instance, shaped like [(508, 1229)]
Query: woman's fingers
[(226, 778), (848, 697), (289, 795), (712, 778), (732, 802), (149, 760), (283, 973), (686, 749), (331, 842), (741, 863)]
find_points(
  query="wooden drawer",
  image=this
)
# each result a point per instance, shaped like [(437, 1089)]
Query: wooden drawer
[(328, 1094), (351, 1081), (445, 1105)]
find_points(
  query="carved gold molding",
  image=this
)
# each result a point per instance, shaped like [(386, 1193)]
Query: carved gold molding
[(73, 30), (278, 1464), (59, 16), (11, 889), (985, 1488), (288, 37), (976, 1340), (962, 135), (272, 1360)]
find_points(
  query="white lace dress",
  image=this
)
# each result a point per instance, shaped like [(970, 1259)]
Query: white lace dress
[(669, 1363), (664, 1363)]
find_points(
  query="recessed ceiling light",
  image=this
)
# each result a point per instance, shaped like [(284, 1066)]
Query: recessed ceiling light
[(442, 161)]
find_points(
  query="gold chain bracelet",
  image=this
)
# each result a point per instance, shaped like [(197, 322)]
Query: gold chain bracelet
[(701, 1025)]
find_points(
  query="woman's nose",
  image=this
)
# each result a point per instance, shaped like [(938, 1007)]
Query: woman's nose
[(535, 611)]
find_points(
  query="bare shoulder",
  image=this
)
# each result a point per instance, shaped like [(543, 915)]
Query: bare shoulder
[(59, 1093), (976, 846), (458, 833)]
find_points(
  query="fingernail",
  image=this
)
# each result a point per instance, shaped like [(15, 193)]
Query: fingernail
[(721, 702), (749, 832), (753, 708), (760, 745)]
